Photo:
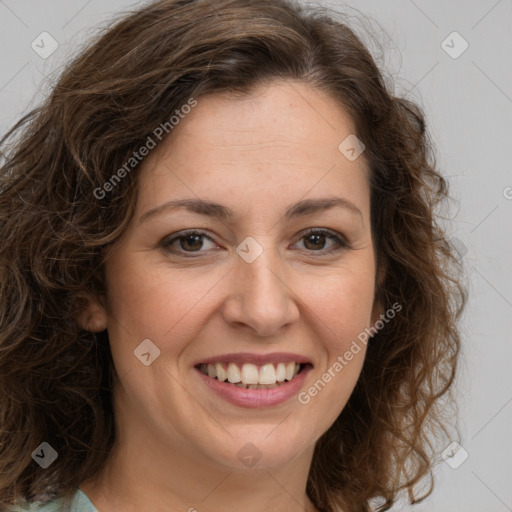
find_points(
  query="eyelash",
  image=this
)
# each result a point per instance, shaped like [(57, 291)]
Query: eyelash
[(340, 241)]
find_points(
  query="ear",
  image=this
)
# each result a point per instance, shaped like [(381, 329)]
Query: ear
[(92, 315)]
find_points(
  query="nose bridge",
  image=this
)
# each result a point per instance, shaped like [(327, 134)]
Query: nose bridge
[(260, 297)]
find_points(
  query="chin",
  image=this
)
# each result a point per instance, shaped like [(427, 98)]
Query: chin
[(261, 447)]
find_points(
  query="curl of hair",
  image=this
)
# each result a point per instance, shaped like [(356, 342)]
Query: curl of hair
[(56, 379)]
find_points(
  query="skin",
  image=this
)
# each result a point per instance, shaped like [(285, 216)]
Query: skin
[(177, 441)]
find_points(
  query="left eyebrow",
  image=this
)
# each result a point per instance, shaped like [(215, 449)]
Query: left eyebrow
[(201, 207)]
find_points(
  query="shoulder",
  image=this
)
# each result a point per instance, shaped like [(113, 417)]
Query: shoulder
[(80, 503), (50, 506)]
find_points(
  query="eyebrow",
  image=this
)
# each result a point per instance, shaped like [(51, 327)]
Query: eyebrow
[(210, 209)]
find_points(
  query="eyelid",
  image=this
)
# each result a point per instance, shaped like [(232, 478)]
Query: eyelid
[(170, 239), (340, 240)]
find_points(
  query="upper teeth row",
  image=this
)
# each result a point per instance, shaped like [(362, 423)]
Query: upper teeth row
[(252, 374)]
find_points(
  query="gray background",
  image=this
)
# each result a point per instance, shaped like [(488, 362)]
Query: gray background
[(468, 104)]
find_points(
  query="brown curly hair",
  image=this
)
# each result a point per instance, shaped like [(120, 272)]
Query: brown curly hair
[(56, 378)]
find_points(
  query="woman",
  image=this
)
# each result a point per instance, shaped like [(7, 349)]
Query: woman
[(223, 280)]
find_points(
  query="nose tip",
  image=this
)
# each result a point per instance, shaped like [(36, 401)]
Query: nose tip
[(260, 298)]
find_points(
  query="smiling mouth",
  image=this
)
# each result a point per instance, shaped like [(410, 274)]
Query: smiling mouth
[(251, 376)]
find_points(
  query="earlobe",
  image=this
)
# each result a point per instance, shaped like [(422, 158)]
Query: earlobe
[(92, 316)]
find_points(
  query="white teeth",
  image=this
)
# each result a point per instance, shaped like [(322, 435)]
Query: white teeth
[(290, 369), (251, 376), (267, 374), (281, 372), (233, 373), (221, 373)]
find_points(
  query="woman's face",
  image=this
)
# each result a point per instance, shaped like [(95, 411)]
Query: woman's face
[(253, 289)]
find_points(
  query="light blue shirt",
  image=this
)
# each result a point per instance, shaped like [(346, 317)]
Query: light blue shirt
[(81, 503)]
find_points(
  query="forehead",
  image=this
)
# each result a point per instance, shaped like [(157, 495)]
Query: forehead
[(282, 140)]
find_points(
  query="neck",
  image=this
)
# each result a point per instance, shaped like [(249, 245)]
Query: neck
[(145, 473)]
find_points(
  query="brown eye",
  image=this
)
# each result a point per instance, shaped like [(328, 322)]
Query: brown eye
[(315, 241), (191, 242), (187, 242)]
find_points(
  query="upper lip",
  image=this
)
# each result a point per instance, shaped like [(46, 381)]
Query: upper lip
[(257, 359)]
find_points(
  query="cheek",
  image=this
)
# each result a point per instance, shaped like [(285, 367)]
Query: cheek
[(135, 306), (343, 304), (343, 311), (148, 301)]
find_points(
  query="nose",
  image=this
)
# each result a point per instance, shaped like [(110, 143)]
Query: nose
[(261, 296)]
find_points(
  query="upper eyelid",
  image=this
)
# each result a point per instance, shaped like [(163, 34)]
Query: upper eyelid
[(339, 238)]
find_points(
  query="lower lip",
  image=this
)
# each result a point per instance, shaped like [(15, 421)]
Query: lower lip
[(256, 397)]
